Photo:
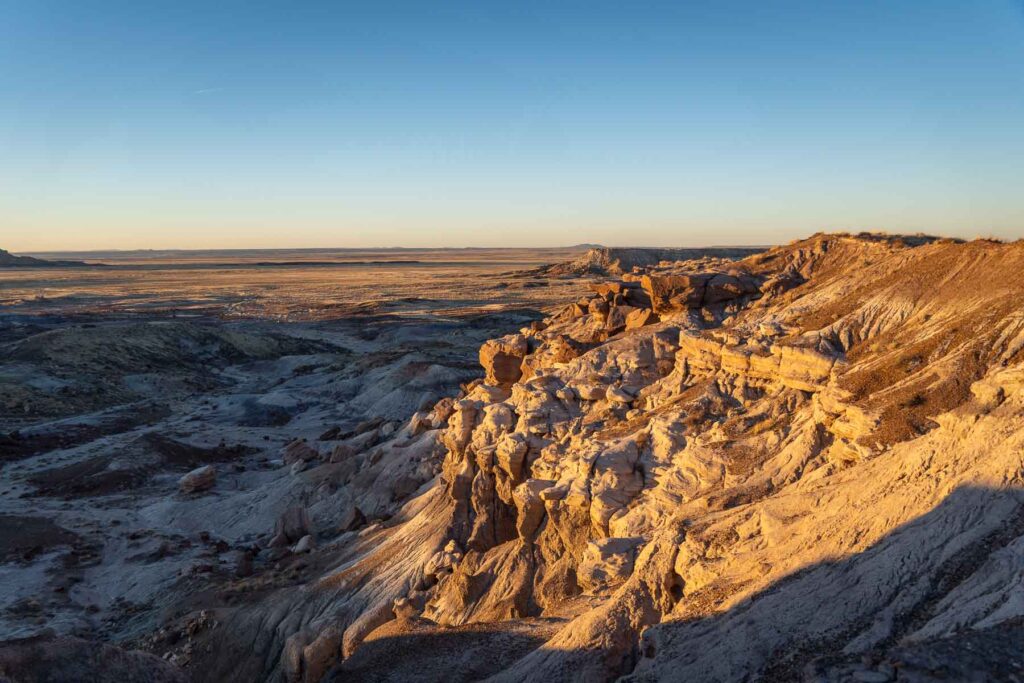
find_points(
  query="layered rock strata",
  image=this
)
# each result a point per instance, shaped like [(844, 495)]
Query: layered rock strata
[(716, 471)]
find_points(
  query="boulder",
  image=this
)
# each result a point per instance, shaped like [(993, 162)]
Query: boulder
[(727, 286), (199, 479), (502, 359), (293, 524), (565, 394), (306, 544), (674, 293), (299, 450), (617, 317), (779, 283), (592, 391), (576, 310), (351, 520), (598, 308), (619, 395), (418, 423), (331, 434), (243, 563), (604, 289), (639, 317), (291, 656), (341, 452)]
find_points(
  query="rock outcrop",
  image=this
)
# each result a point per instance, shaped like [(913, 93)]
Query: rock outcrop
[(782, 466), (502, 359), (619, 260)]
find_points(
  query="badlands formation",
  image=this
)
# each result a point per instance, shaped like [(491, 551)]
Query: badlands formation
[(804, 464)]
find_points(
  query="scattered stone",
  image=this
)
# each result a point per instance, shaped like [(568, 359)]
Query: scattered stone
[(330, 434), (351, 520), (640, 317), (341, 452), (293, 524), (279, 540), (199, 479), (592, 392), (306, 544), (619, 395), (278, 553), (299, 451), (243, 563)]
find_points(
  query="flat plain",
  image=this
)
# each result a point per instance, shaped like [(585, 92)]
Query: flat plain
[(279, 284)]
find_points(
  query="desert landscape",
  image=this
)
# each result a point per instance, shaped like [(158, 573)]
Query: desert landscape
[(532, 342), (801, 462)]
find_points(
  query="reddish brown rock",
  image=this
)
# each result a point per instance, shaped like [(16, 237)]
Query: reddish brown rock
[(726, 287), (640, 317), (199, 479), (298, 450), (598, 308), (617, 317), (673, 293), (502, 359)]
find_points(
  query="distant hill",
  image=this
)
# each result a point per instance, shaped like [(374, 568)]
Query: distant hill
[(618, 260), (7, 259)]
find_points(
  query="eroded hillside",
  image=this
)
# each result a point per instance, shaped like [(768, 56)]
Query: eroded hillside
[(805, 464)]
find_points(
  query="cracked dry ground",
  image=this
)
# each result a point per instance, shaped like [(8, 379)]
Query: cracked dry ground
[(807, 464)]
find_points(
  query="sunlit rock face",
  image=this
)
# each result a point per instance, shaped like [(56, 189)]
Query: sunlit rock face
[(801, 464), (781, 466)]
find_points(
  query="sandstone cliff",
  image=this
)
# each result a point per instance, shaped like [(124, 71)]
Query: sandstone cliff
[(803, 464)]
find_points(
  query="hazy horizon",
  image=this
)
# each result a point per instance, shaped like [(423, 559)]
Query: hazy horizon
[(371, 248), (192, 126), (694, 243)]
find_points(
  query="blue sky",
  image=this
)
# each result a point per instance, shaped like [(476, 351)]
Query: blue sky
[(259, 124)]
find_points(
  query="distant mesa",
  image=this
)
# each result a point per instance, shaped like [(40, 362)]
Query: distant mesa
[(392, 262), (9, 260)]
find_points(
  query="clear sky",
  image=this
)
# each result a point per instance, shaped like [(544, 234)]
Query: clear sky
[(274, 124)]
